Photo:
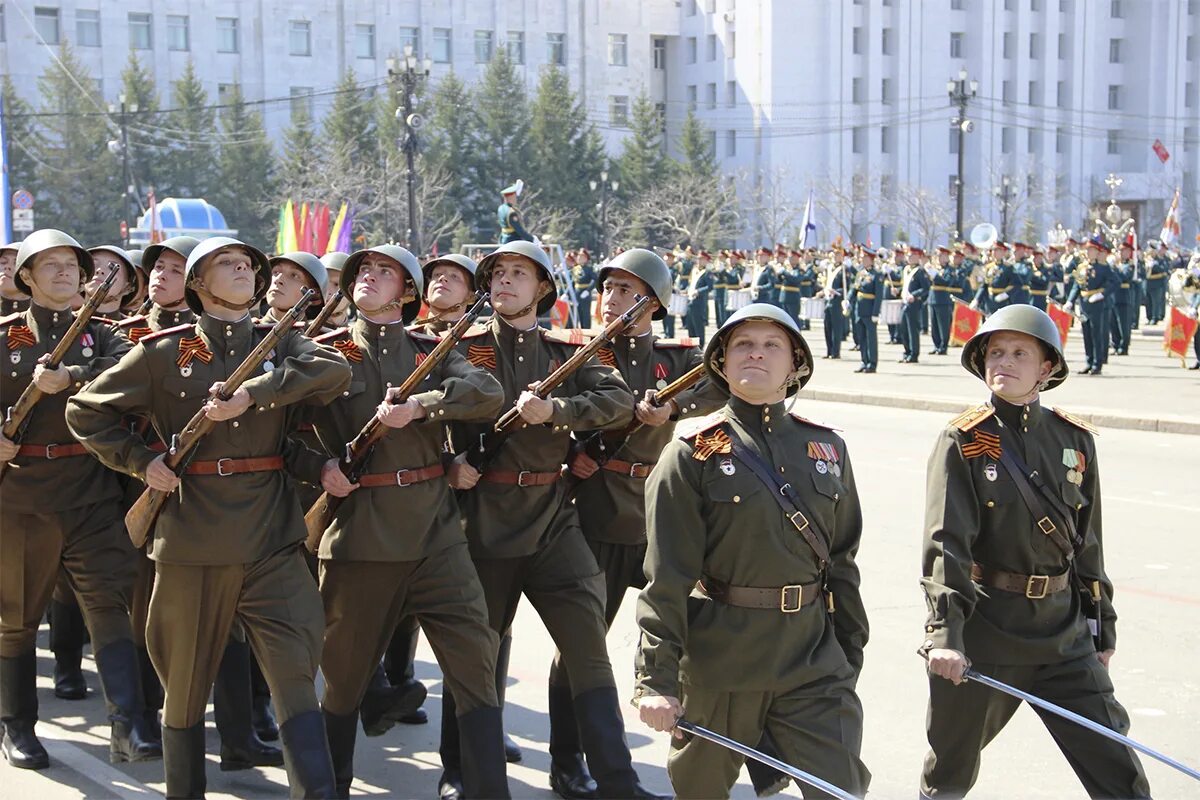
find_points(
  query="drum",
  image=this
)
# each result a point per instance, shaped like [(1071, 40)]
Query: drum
[(738, 298), (891, 312), (812, 308), (679, 304)]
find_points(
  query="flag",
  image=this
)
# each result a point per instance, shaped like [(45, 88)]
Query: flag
[(1062, 320), (322, 240), (287, 243), (560, 315), (1170, 228), (807, 226), (279, 229), (156, 232), (966, 321), (345, 235), (1177, 336), (1160, 151), (6, 232), (303, 228), (335, 233)]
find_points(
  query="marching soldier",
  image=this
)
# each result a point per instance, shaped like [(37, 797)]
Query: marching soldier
[(700, 283), (583, 275), (837, 280), (867, 298), (1094, 285), (754, 522), (128, 286), (668, 319), (720, 288), (511, 229), (764, 278), (61, 509), (334, 261), (1001, 285), (1125, 305), (1023, 601), (914, 290), (524, 538), (12, 299), (232, 550), (1158, 270), (789, 286), (808, 283), (1039, 280), (291, 274), (944, 284), (610, 496), (894, 279)]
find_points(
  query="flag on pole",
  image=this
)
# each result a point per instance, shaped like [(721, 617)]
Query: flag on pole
[(1170, 228), (1160, 151), (279, 229), (345, 235), (288, 240), (807, 226), (1177, 336), (322, 240), (156, 232), (966, 322), (1062, 320), (335, 233)]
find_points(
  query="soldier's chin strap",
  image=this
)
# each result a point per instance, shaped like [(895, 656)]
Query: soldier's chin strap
[(204, 293), (526, 309), (802, 368)]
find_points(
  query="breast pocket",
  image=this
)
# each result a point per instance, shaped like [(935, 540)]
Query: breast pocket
[(1075, 499), (355, 388), (729, 482), (186, 388)]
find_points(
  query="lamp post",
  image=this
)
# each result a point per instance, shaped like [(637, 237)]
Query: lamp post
[(122, 110), (409, 71), (961, 91), (1004, 194), (603, 186)]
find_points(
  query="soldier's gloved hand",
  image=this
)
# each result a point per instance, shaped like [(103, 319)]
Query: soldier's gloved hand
[(334, 481), (219, 410), (974, 305), (948, 664), (8, 449), (51, 381), (1105, 657), (661, 713), (533, 409), (1096, 298), (160, 477), (582, 465), (397, 415), (1000, 298), (462, 475)]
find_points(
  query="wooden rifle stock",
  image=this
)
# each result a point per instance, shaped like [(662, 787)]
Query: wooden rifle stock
[(16, 419), (603, 445), (327, 310), (354, 460), (139, 520)]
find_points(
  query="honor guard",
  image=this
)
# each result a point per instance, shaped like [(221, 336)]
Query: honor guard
[(291, 274), (1125, 306), (944, 286), (914, 291), (583, 277), (1095, 283), (866, 298), (511, 228), (700, 283), (1158, 270), (837, 281), (129, 286)]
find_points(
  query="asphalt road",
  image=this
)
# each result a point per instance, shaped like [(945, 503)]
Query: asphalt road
[(1151, 506)]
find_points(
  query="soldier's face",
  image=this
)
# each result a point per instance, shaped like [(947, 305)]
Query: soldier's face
[(619, 292), (758, 360), (380, 280), (229, 274), (105, 264), (55, 277), (449, 286), (516, 283), (166, 279), (1014, 365), (8, 266), (288, 282)]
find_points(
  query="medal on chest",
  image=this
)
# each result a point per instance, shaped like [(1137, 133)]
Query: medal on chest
[(1075, 462), (87, 341), (727, 467), (825, 458), (990, 472), (190, 348), (269, 364), (660, 374), (15, 356)]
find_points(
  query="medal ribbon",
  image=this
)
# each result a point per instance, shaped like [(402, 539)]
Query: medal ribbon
[(984, 444), (706, 446), (192, 347), (350, 350), (20, 336)]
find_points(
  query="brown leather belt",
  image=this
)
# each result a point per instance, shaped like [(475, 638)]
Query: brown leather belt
[(632, 469), (788, 599), (1035, 587), (158, 447), (235, 466), (524, 478), (52, 451), (401, 477)]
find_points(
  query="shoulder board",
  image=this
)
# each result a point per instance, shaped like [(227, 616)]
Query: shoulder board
[(813, 423), (336, 333), (130, 322), (109, 321), (10, 319), (266, 326), (476, 330), (676, 344), (576, 337), (165, 332), (688, 428), (422, 336), (1076, 421), (972, 417)]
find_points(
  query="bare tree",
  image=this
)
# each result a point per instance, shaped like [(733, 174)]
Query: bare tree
[(772, 210), (1030, 197), (692, 209), (852, 206), (549, 223), (924, 213)]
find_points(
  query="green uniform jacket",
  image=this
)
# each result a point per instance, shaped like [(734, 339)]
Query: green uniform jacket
[(211, 519), (398, 523), (507, 521), (35, 485), (157, 319), (611, 506), (974, 513), (714, 517)]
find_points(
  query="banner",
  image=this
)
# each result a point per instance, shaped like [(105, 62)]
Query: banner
[(1178, 334), (1062, 320), (966, 321)]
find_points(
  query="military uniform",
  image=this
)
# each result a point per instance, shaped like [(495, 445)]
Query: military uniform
[(1093, 291), (511, 228), (835, 315), (916, 286), (1157, 273), (789, 290), (1002, 286), (700, 283), (1124, 307), (584, 278), (943, 287), (867, 298), (1038, 279), (765, 289), (808, 284), (722, 278), (894, 278)]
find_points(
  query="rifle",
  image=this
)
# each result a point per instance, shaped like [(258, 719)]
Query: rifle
[(16, 419), (511, 422), (358, 452), (326, 312), (140, 518)]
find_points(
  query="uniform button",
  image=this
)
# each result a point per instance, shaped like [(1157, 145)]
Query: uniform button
[(14, 374), (1078, 506), (737, 498), (991, 503), (272, 405), (520, 358), (230, 352), (929, 629), (633, 361), (520, 338), (235, 423), (781, 469), (384, 351), (346, 393)]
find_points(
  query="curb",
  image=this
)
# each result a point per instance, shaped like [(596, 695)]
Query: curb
[(1100, 419)]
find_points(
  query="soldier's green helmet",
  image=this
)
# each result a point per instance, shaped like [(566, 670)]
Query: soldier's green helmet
[(464, 263), (135, 256), (1019, 319), (400, 256), (46, 239), (134, 277), (334, 261), (181, 245), (258, 259), (483, 275), (309, 263), (647, 266), (714, 353)]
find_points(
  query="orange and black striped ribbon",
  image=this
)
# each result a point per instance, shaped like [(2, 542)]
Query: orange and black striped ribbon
[(20, 336), (984, 444), (607, 357), (349, 349), (706, 446), (192, 347), (482, 355), (135, 334)]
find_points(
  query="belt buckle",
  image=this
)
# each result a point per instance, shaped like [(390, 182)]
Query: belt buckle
[(633, 468), (786, 592), (1037, 580), (1046, 525), (521, 484), (221, 467), (50, 456), (400, 473), (802, 524)]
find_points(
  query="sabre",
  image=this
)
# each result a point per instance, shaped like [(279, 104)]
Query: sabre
[(750, 752), (1094, 727)]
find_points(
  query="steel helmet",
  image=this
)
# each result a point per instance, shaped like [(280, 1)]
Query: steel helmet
[(46, 239), (468, 265), (1018, 318), (714, 353), (309, 263), (400, 256), (648, 267), (262, 268), (531, 251)]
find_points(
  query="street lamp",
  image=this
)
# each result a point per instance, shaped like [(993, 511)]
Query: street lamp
[(1004, 193), (603, 185), (961, 91), (122, 110), (409, 71)]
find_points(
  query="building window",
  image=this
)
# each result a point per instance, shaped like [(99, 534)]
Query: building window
[(618, 49), (954, 140), (225, 95), (441, 45), (299, 37), (87, 28), (302, 102), (856, 36), (1006, 92), (227, 35), (410, 37), (556, 49), (885, 41), (691, 97), (1190, 48), (730, 144), (483, 47), (1008, 5), (1035, 93), (711, 46), (1114, 9), (691, 50), (1006, 47), (1034, 5), (660, 111), (618, 110), (140, 33), (1190, 136), (957, 5), (710, 95), (1064, 6), (1114, 142), (1114, 97), (659, 48), (364, 41), (731, 44), (731, 94), (1114, 51), (885, 91), (1062, 45), (689, 7), (1064, 97), (1031, 140), (1189, 95), (45, 22), (516, 46), (177, 32), (1006, 140), (885, 139), (1035, 48), (858, 139), (1060, 141), (857, 94), (956, 45)]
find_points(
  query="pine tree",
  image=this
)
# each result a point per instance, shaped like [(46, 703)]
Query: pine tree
[(348, 131), (147, 142), (300, 163), (643, 162), (696, 147), (189, 169), (498, 151), (446, 145), (245, 190), (21, 131)]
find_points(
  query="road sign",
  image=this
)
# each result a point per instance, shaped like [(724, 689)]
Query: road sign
[(22, 199), (22, 220)]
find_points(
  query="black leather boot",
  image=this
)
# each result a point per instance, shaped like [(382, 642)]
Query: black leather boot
[(483, 764), (569, 776), (262, 714), (306, 756), (512, 751), (341, 730), (183, 761), (383, 705), (450, 784), (67, 636), (398, 663), (18, 712), (767, 780), (602, 731), (240, 746), (132, 738)]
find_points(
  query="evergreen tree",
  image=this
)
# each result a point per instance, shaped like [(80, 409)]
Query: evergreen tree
[(245, 190), (22, 135), (446, 149), (696, 148), (643, 162), (147, 142), (190, 166), (499, 150), (348, 133), (300, 163)]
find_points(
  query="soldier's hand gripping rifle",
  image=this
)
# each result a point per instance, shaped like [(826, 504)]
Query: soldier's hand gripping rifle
[(327, 310), (16, 418), (354, 461), (140, 518), (490, 442)]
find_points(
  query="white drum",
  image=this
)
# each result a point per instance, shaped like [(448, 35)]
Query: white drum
[(738, 298), (679, 304), (891, 312), (812, 307)]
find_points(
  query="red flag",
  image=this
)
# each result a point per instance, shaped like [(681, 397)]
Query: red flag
[(323, 230), (298, 221), (559, 314), (1177, 336), (966, 321), (1062, 320), (1160, 151)]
